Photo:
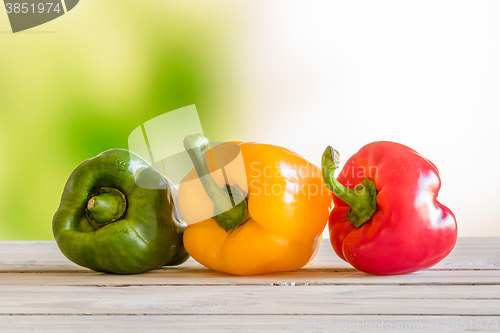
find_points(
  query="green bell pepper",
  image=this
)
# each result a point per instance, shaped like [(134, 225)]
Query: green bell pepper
[(108, 223)]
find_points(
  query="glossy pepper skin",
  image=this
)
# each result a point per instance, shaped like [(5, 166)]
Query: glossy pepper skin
[(146, 236), (285, 226), (410, 229)]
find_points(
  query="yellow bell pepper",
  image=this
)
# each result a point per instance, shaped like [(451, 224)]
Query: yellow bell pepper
[(278, 224)]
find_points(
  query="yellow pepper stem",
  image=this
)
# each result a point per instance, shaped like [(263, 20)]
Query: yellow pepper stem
[(227, 215)]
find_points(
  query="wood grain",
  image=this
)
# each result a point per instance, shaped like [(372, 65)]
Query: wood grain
[(41, 290), (205, 277), (258, 300), (232, 323), (470, 253)]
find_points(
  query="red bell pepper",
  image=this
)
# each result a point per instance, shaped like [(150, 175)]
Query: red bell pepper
[(386, 218)]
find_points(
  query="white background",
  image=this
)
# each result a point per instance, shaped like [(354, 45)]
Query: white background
[(421, 73)]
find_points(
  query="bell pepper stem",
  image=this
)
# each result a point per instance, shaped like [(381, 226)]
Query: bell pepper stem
[(227, 215), (106, 206), (362, 200), (196, 145)]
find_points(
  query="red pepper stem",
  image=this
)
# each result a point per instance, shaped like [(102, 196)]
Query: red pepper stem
[(227, 215), (362, 199)]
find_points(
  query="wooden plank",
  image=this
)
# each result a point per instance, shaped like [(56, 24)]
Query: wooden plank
[(206, 277), (258, 300), (19, 256), (473, 253), (470, 253), (269, 323), (461, 293), (34, 256)]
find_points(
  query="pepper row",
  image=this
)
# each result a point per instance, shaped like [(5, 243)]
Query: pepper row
[(119, 215)]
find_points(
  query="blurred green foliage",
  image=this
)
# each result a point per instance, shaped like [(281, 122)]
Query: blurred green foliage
[(80, 84)]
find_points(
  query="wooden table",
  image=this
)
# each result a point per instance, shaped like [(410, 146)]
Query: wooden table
[(41, 290)]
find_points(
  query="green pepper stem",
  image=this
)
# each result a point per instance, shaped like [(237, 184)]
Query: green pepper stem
[(106, 206), (362, 199), (227, 215)]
